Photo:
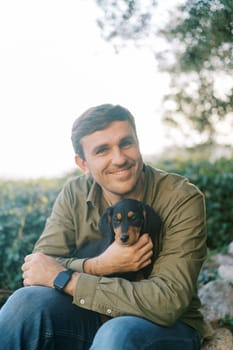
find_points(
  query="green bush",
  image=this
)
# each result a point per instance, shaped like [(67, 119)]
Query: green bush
[(215, 180), (25, 205)]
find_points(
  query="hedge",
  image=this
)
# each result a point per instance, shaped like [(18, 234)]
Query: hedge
[(25, 205), (215, 180)]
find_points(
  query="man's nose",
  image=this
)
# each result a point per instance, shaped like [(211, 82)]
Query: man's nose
[(118, 156)]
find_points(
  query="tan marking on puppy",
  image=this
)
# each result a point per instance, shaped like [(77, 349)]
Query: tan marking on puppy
[(133, 232), (119, 216)]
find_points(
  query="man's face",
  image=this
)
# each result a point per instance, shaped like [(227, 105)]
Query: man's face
[(113, 158)]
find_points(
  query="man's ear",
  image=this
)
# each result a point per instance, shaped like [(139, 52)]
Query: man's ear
[(82, 164)]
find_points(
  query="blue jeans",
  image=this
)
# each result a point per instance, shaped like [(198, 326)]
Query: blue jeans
[(40, 318)]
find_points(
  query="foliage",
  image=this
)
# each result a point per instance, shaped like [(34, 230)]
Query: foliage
[(200, 37), (25, 205), (205, 29), (227, 322), (206, 276), (215, 180), (128, 19), (197, 52)]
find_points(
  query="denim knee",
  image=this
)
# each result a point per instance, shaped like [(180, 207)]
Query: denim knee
[(14, 309), (117, 333), (131, 333), (29, 305), (42, 318)]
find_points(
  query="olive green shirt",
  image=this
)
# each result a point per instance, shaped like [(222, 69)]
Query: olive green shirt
[(170, 293)]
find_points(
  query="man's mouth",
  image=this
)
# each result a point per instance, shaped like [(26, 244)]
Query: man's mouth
[(120, 171)]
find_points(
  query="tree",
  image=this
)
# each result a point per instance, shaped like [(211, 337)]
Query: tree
[(198, 55), (125, 20), (201, 38)]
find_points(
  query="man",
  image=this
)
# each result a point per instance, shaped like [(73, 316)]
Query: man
[(86, 309)]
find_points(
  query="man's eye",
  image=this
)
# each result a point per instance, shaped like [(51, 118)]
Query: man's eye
[(126, 143), (101, 150)]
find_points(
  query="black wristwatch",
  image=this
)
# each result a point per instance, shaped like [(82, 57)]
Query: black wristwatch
[(62, 279)]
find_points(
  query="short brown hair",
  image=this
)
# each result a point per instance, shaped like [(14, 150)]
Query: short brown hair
[(98, 118)]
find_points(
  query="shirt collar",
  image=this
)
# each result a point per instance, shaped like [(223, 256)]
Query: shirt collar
[(95, 194)]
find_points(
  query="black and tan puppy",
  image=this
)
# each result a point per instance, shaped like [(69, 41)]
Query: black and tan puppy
[(125, 222)]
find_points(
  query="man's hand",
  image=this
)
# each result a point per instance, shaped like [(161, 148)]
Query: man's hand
[(120, 258), (40, 269)]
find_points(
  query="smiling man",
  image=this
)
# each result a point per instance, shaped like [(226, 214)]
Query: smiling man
[(112, 157), (68, 302)]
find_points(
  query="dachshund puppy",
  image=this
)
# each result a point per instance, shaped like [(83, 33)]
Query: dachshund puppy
[(125, 222)]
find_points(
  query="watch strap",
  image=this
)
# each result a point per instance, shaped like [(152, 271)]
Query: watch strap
[(69, 272), (62, 279)]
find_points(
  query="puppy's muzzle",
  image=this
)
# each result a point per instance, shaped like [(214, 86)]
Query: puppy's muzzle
[(124, 238)]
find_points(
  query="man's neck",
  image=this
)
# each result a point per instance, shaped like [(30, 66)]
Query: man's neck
[(137, 193)]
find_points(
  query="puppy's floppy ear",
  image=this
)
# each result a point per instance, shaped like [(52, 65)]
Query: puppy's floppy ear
[(144, 210), (152, 221), (105, 223)]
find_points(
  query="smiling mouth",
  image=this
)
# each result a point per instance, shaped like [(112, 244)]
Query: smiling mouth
[(122, 171)]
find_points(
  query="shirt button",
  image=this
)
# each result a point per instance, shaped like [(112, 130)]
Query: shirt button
[(82, 301), (109, 311)]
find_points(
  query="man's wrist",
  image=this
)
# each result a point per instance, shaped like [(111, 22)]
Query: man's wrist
[(95, 266), (87, 266), (91, 265), (62, 278), (70, 287)]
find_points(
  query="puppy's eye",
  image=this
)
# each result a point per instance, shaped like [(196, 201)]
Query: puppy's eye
[(117, 219), (132, 216), (116, 223), (134, 219)]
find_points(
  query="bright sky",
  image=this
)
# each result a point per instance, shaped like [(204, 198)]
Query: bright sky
[(54, 65)]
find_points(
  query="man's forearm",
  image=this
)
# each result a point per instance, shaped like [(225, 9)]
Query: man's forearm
[(117, 258)]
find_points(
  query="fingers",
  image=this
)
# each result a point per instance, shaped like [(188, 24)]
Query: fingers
[(144, 239), (33, 256), (25, 280), (26, 273), (143, 251), (144, 244), (27, 257), (26, 267), (146, 259), (26, 263)]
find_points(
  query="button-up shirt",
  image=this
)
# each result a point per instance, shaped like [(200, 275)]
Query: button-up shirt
[(170, 292)]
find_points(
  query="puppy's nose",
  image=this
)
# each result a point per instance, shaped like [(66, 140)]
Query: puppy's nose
[(124, 238)]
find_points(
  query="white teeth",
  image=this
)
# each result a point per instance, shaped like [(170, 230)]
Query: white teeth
[(120, 171)]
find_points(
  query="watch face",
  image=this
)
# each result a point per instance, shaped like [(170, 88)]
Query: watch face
[(62, 279)]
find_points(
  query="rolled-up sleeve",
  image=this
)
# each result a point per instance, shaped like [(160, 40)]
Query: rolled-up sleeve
[(61, 236)]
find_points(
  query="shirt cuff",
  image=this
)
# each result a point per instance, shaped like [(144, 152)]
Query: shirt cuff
[(77, 265), (89, 294)]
